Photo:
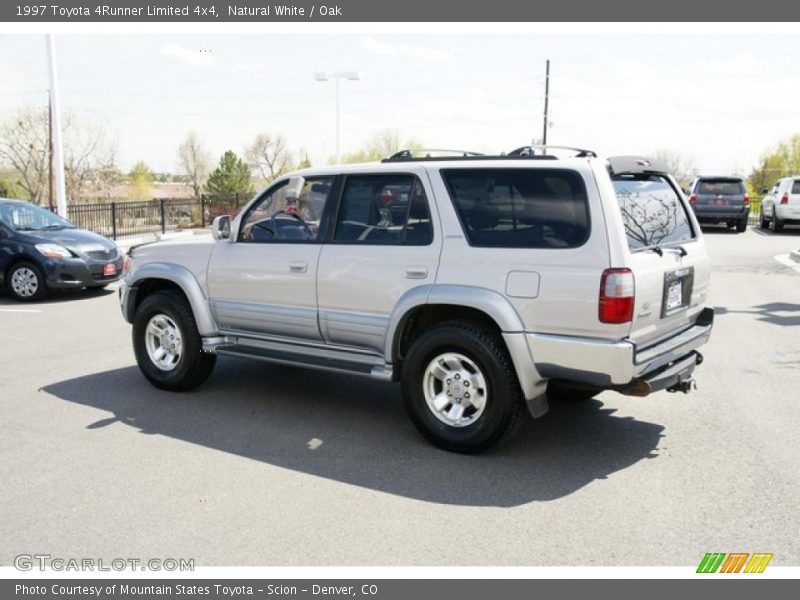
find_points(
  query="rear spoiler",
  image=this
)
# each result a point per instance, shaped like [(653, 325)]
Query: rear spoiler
[(620, 165)]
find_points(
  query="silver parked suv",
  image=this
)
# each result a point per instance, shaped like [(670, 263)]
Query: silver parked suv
[(484, 284)]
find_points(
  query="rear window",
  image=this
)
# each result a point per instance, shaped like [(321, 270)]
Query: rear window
[(796, 187), (520, 208), (720, 187), (652, 212)]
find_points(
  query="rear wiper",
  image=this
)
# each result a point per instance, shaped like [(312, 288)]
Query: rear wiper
[(660, 251)]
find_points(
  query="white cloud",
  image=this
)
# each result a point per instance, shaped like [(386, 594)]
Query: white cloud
[(195, 58), (374, 46)]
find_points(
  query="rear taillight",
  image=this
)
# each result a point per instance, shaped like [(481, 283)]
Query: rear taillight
[(616, 296), (746, 199), (693, 199), (785, 199)]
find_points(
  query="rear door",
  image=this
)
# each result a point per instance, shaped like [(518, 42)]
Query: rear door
[(667, 256)]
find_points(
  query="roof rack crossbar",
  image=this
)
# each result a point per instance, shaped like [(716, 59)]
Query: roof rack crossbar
[(409, 153), (531, 148)]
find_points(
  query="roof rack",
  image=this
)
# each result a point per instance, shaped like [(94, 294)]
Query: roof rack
[(531, 149), (409, 154)]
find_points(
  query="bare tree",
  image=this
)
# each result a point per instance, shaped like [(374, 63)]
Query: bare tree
[(380, 145), (269, 155), (195, 162), (89, 154), (680, 167)]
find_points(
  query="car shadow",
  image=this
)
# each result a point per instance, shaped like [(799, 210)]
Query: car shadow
[(722, 229), (788, 230), (56, 296), (768, 313), (355, 431)]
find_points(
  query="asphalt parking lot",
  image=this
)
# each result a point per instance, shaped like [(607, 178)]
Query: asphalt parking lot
[(271, 465)]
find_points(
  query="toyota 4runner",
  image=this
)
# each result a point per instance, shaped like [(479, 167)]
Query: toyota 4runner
[(484, 284)]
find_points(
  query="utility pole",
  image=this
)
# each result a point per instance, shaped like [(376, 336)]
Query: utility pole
[(546, 105), (55, 128)]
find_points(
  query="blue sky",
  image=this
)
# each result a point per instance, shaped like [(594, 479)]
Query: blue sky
[(719, 99)]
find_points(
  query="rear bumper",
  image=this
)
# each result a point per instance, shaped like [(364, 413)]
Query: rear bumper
[(788, 213), (718, 214), (614, 364)]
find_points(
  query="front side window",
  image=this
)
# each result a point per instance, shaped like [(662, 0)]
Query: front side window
[(652, 211), (520, 208), (384, 209), (279, 217)]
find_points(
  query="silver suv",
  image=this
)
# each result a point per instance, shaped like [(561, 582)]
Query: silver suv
[(484, 284)]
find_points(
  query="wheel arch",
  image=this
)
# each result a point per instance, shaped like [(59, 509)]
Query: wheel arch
[(153, 277)]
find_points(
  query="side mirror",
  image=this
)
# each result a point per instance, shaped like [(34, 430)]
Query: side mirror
[(221, 228), (764, 191)]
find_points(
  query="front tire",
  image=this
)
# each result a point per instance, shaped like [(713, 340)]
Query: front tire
[(460, 388), (26, 282), (168, 347), (776, 225), (762, 222)]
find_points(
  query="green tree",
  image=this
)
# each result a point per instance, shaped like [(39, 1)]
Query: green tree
[(232, 176), (781, 161), (140, 180), (382, 144)]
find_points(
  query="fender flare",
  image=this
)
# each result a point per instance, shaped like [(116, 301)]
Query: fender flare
[(490, 302), (184, 279)]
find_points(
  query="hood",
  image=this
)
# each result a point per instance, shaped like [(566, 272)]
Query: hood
[(74, 239)]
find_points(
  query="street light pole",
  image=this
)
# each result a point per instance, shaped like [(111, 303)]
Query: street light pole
[(55, 124), (337, 77)]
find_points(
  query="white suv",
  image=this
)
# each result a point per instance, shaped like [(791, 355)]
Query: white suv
[(781, 205), (484, 284)]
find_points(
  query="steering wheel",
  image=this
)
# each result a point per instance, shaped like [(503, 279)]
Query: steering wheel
[(276, 229)]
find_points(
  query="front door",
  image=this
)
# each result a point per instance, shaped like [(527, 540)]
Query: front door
[(264, 283)]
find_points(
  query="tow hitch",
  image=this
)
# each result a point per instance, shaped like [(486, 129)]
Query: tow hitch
[(688, 383)]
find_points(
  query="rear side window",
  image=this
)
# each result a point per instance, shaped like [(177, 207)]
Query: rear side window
[(384, 209), (796, 187), (520, 208), (720, 187), (652, 212)]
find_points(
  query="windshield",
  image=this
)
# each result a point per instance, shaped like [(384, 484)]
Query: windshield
[(652, 212), (28, 217)]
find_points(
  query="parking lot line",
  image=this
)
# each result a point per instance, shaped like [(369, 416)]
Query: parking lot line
[(21, 310)]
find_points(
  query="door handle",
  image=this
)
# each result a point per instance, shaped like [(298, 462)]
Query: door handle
[(298, 266), (416, 272)]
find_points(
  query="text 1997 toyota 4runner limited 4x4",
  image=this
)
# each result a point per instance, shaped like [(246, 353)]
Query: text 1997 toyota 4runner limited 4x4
[(485, 284)]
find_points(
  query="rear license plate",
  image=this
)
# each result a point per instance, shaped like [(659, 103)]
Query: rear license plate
[(675, 295), (109, 270), (720, 202), (677, 291)]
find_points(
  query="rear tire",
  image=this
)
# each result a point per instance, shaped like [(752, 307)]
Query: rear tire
[(566, 393), (741, 225), (460, 388), (26, 282), (168, 347)]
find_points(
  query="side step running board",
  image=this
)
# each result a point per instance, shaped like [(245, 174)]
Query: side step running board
[(381, 372)]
